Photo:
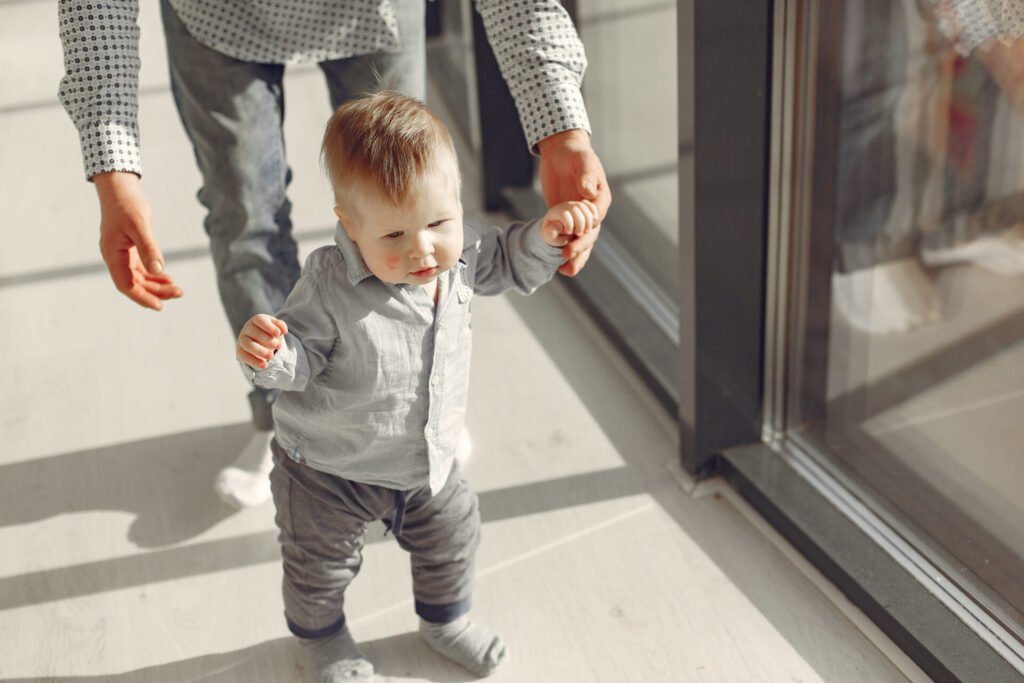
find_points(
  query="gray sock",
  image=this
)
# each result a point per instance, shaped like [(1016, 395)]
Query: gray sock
[(337, 658), (462, 641)]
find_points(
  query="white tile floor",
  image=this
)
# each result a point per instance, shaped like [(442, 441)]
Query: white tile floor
[(119, 564)]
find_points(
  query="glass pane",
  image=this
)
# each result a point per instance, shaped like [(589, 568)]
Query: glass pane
[(631, 96), (920, 343)]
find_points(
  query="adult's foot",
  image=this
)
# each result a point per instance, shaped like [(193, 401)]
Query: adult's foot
[(246, 482), (1002, 254), (890, 298)]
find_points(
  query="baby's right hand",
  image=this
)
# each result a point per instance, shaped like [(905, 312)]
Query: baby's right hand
[(568, 220), (260, 338)]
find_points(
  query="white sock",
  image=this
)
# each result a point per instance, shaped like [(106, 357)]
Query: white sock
[(891, 297), (464, 448), (246, 481), (337, 659), (462, 641), (1002, 254)]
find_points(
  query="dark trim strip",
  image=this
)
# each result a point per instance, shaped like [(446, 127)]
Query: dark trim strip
[(722, 333), (310, 634), (442, 614), (914, 619)]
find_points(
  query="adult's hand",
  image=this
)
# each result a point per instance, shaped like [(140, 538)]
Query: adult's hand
[(570, 170), (127, 244), (1005, 61)]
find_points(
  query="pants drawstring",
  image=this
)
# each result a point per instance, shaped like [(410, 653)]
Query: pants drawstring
[(399, 519)]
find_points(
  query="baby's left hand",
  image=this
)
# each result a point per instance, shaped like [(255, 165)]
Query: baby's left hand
[(568, 220)]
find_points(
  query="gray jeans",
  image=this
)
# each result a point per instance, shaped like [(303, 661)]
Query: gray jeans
[(323, 518), (233, 113)]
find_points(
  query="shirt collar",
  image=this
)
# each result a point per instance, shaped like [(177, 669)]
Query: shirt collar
[(355, 267)]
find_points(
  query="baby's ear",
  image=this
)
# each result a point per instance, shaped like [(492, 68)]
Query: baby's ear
[(345, 223)]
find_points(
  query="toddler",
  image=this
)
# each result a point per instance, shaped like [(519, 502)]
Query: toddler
[(371, 352)]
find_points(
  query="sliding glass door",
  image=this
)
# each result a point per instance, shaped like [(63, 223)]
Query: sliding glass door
[(911, 348)]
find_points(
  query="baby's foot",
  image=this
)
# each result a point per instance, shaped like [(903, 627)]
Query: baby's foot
[(337, 659), (462, 641), (246, 481)]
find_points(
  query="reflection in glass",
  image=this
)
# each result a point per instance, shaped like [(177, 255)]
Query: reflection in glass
[(925, 377)]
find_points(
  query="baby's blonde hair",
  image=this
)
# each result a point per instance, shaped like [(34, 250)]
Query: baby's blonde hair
[(386, 140)]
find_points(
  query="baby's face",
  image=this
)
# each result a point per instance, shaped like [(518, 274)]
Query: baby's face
[(415, 242)]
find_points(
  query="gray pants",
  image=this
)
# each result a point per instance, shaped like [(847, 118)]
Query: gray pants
[(323, 518)]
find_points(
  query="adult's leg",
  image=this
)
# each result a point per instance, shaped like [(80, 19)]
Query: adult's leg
[(232, 112), (402, 71), (889, 80)]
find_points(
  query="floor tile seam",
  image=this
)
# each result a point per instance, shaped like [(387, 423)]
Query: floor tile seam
[(523, 557), (950, 412)]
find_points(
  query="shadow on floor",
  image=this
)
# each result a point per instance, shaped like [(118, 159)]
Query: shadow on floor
[(395, 657), (407, 656), (273, 660), (713, 523), (167, 482)]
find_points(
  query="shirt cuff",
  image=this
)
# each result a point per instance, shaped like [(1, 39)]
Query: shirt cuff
[(264, 378), (110, 146), (286, 368), (546, 111), (539, 249), (967, 24), (249, 372)]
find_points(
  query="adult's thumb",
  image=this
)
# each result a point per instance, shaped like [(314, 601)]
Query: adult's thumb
[(149, 253), (588, 186)]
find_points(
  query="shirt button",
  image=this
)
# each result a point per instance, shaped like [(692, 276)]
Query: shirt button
[(435, 379)]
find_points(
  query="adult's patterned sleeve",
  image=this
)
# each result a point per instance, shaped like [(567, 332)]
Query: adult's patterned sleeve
[(972, 24), (542, 59), (99, 89)]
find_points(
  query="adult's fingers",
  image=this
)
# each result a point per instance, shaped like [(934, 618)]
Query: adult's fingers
[(577, 252), (140, 295), (572, 267), (161, 288), (584, 242)]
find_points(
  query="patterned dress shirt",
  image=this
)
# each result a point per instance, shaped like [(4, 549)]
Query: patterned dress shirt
[(538, 51), (971, 24)]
